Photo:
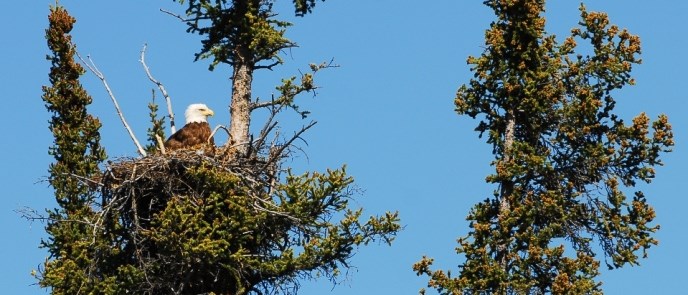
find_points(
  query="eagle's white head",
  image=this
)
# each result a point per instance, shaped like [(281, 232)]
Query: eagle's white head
[(197, 113)]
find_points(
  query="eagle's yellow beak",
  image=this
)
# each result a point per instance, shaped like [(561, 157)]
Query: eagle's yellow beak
[(209, 113)]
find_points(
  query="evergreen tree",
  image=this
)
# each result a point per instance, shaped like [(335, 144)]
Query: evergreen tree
[(218, 221), (245, 35), (563, 159), (77, 153), (157, 129)]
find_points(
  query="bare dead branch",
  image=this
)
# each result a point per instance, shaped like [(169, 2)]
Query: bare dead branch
[(177, 16), (84, 180), (32, 215), (325, 65), (264, 134), (263, 104), (173, 129), (215, 131), (269, 66), (261, 208), (280, 150), (269, 125), (94, 69)]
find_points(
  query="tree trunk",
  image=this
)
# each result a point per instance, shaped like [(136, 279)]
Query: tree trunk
[(239, 109), (507, 187)]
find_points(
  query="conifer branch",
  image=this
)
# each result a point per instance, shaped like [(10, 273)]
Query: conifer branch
[(94, 69), (168, 100)]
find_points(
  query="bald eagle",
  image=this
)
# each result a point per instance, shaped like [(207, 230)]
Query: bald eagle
[(195, 132)]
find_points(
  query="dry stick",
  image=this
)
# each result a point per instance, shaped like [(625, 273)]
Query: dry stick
[(281, 149), (269, 125), (92, 66), (177, 16), (83, 179), (161, 144), (173, 129), (31, 215), (215, 131)]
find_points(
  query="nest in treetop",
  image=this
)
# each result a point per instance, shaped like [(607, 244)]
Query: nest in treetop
[(141, 187), (210, 219), (214, 220), (144, 194), (136, 189), (163, 171)]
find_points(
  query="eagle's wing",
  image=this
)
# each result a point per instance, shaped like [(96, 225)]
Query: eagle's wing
[(190, 135)]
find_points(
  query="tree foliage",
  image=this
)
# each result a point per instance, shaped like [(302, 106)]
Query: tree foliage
[(563, 159), (195, 225), (157, 129), (245, 35), (77, 154), (200, 221), (240, 31)]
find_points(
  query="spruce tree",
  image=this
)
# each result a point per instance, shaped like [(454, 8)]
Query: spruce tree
[(77, 154), (564, 161), (225, 220)]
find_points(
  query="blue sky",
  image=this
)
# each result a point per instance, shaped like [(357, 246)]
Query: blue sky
[(387, 113)]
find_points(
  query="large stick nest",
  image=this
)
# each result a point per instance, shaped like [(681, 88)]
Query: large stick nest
[(180, 218), (136, 190), (140, 187)]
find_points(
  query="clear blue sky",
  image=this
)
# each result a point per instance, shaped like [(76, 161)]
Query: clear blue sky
[(387, 113)]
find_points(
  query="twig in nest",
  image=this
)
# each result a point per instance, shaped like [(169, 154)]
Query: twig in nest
[(161, 144), (215, 131), (92, 66), (173, 129)]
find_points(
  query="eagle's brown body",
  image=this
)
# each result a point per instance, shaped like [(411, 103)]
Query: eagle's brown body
[(195, 133), (191, 135)]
